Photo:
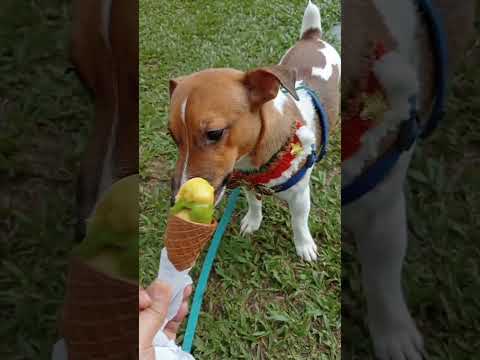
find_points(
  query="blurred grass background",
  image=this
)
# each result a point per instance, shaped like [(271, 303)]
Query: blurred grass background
[(45, 113)]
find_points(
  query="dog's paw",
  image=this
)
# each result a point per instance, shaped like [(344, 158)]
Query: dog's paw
[(307, 251), (399, 342), (250, 223)]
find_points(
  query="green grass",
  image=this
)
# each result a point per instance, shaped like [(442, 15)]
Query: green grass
[(262, 302), (44, 114), (441, 274)]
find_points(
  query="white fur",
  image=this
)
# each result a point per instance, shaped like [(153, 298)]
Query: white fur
[(400, 18), (298, 200), (280, 101), (220, 195), (306, 135), (306, 108), (378, 222), (400, 82), (183, 109), (298, 196), (332, 58), (253, 219), (311, 18), (184, 177), (378, 219)]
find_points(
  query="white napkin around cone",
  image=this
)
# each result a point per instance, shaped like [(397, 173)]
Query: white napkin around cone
[(165, 348)]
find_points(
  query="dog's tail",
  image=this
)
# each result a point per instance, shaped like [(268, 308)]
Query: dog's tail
[(312, 22)]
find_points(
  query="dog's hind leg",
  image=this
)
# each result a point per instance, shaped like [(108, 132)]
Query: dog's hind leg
[(252, 220)]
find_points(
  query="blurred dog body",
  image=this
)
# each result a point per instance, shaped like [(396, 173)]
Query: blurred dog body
[(105, 54), (377, 220)]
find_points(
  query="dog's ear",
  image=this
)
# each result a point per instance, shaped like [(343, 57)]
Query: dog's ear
[(263, 83), (173, 83)]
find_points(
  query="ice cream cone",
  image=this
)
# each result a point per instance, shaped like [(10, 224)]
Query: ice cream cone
[(185, 240), (100, 318)]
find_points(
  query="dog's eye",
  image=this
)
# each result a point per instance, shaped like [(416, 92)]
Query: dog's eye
[(215, 135)]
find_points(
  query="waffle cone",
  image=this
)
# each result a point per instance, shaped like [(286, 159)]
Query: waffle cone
[(100, 318), (185, 241)]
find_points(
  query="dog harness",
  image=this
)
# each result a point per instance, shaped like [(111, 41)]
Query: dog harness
[(409, 130), (257, 180)]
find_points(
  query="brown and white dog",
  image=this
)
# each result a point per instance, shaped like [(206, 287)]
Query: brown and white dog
[(228, 122), (377, 221), (105, 54)]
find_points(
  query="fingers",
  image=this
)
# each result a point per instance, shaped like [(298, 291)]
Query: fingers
[(187, 292), (152, 318), (144, 300), (173, 325)]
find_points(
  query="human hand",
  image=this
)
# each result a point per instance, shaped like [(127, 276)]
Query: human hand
[(153, 306)]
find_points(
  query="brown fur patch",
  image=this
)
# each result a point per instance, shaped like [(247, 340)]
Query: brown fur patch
[(306, 55), (276, 130), (312, 34), (217, 99), (263, 84)]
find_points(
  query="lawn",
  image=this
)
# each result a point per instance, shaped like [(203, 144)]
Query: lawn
[(263, 302), (44, 117)]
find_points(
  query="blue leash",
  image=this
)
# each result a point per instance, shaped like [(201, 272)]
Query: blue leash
[(206, 268)]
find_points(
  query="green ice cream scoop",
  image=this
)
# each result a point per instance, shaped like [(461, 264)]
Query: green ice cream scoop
[(195, 201), (111, 242)]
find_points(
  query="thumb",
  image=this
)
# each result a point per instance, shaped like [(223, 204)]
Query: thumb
[(152, 318)]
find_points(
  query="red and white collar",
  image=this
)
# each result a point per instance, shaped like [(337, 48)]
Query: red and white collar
[(283, 165), (364, 110)]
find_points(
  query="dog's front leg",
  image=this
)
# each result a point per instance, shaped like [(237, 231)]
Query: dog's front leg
[(299, 205), (252, 220), (382, 245)]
